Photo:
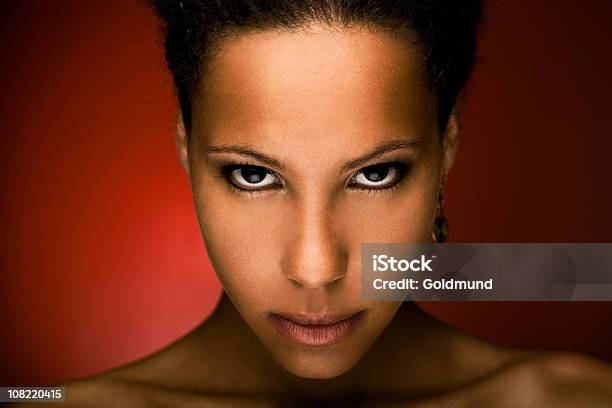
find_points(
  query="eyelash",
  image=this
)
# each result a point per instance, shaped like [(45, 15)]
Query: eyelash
[(226, 172), (403, 168)]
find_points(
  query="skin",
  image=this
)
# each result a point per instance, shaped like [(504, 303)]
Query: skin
[(305, 105), (309, 232)]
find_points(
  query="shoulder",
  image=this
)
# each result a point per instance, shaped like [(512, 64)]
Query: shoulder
[(98, 392), (549, 379), (102, 391), (105, 392)]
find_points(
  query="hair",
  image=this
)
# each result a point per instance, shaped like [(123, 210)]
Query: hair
[(445, 30)]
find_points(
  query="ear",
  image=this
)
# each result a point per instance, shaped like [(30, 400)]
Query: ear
[(182, 142), (450, 145)]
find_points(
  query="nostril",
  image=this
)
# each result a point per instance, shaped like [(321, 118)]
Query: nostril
[(313, 280), (337, 279)]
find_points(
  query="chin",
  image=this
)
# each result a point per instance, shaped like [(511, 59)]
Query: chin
[(318, 363)]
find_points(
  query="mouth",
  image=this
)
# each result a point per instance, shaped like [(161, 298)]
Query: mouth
[(315, 330)]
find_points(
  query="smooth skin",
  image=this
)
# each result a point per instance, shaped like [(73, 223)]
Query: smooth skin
[(310, 111)]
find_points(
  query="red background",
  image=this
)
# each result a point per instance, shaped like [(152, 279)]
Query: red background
[(101, 257)]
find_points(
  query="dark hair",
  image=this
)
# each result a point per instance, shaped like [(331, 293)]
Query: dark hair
[(445, 31)]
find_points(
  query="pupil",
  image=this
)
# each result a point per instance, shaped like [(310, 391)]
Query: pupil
[(376, 174), (253, 175)]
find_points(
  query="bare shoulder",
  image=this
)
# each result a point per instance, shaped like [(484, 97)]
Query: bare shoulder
[(547, 379), (97, 392), (107, 392), (166, 378), (101, 391)]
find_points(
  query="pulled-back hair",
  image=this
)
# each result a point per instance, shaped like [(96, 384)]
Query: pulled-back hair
[(445, 31)]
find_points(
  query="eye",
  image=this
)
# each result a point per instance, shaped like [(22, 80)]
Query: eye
[(248, 177), (377, 176)]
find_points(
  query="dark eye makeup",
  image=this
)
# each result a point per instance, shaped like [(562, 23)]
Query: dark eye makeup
[(252, 179), (379, 176)]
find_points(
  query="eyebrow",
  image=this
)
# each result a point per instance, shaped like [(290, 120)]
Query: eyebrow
[(379, 151), (247, 151)]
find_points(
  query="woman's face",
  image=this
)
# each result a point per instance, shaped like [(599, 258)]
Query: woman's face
[(305, 145)]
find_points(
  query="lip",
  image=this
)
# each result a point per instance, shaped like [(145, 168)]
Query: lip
[(315, 330)]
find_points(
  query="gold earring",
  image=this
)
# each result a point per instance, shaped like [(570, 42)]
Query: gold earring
[(440, 228)]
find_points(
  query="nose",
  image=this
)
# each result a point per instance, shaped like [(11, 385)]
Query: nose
[(314, 256)]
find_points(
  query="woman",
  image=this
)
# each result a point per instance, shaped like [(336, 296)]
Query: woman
[(308, 128)]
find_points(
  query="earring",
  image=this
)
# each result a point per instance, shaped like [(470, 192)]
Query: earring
[(440, 228)]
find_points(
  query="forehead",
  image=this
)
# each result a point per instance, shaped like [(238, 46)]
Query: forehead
[(315, 81)]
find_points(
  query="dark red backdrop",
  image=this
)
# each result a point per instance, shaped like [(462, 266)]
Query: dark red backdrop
[(101, 257)]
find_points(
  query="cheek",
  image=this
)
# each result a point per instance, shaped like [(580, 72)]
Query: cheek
[(243, 242), (406, 216)]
